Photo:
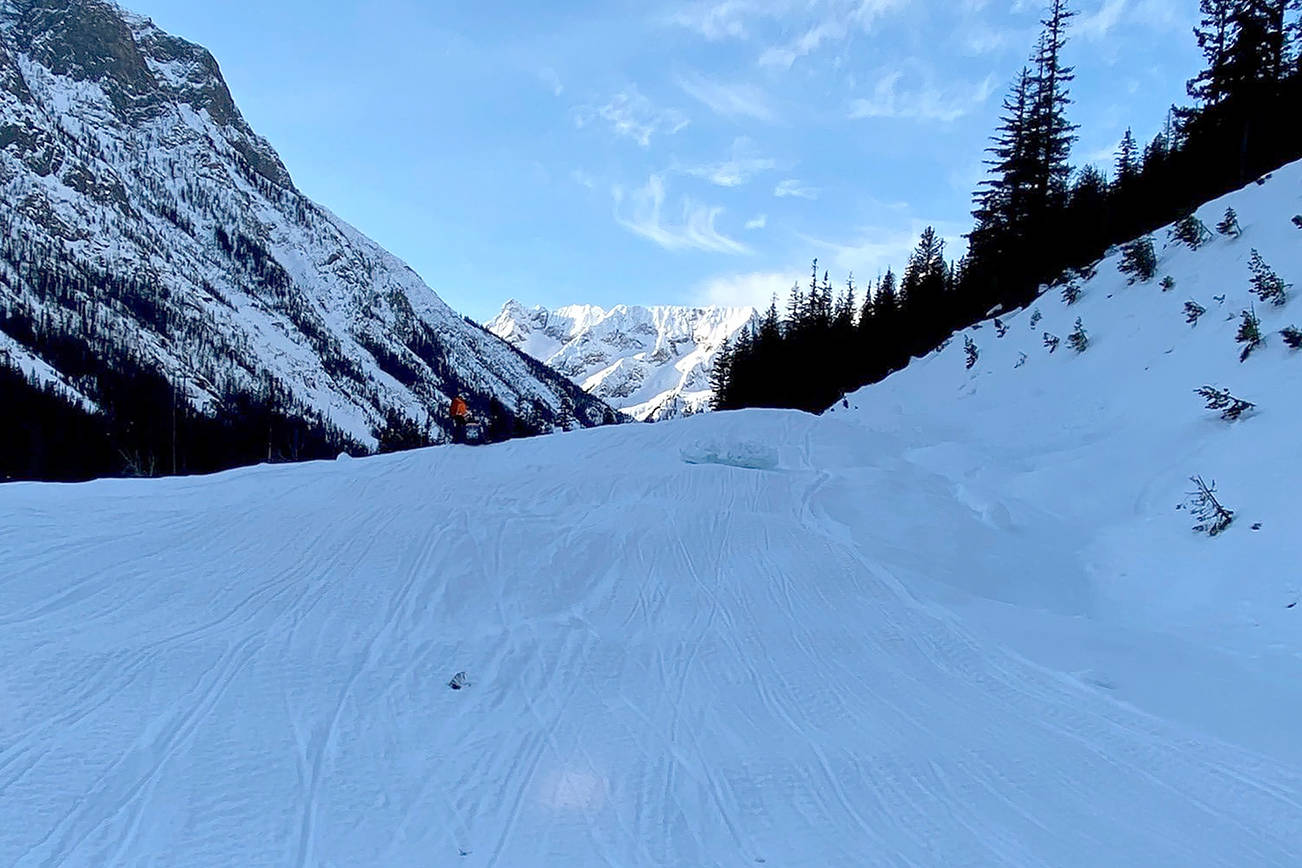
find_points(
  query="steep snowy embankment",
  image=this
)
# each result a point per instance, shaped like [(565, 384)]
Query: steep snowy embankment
[(959, 623)]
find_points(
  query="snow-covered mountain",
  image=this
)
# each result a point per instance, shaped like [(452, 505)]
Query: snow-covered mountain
[(144, 220), (960, 620), (652, 363)]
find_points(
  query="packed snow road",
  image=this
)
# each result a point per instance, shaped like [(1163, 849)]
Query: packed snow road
[(673, 660)]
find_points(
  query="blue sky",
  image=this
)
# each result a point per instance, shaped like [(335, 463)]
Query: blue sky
[(660, 151)]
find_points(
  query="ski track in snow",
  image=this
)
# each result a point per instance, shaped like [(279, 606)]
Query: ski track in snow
[(671, 664)]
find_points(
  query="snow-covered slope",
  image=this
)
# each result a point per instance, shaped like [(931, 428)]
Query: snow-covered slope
[(143, 216), (958, 621), (650, 362)]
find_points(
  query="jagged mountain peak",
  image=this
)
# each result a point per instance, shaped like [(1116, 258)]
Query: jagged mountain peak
[(651, 362)]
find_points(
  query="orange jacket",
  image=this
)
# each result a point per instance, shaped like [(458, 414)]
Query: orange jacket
[(459, 409)]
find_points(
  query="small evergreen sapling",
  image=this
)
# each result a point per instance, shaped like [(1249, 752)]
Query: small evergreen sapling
[(1229, 225), (1139, 259), (1292, 336), (1249, 334), (1192, 311), (1000, 328), (1167, 284), (1210, 516), (1191, 232), (1051, 341), (1078, 339), (1035, 317), (1071, 293), (1266, 284), (970, 350), (1297, 220), (1220, 399), (1021, 360)]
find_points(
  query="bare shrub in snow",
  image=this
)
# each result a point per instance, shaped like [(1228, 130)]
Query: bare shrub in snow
[(1231, 408), (1021, 360), (1210, 516), (1000, 328)]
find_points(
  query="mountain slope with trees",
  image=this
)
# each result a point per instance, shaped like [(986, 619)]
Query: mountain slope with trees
[(170, 302), (1036, 219)]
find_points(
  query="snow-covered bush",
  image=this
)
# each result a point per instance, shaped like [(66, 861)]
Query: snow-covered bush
[(1139, 259), (1231, 408), (1292, 336), (1192, 311), (1035, 317), (1051, 341), (970, 350), (1071, 293), (1167, 284), (1001, 328)]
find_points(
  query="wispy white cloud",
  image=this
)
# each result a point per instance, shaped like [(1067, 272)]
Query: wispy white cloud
[(759, 221), (743, 163), (551, 80), (820, 22), (583, 179), (641, 212), (1098, 25), (632, 115), (730, 100), (927, 102), (755, 289), (874, 249), (793, 188)]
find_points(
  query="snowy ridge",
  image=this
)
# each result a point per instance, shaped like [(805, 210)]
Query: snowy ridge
[(122, 153), (957, 621), (652, 363)]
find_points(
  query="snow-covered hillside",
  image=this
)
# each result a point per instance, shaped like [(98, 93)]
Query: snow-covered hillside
[(958, 621), (650, 362), (142, 216)]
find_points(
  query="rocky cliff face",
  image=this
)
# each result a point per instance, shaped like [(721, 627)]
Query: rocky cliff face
[(651, 363), (146, 224)]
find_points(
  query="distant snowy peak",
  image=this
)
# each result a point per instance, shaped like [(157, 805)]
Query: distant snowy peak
[(143, 219), (650, 362)]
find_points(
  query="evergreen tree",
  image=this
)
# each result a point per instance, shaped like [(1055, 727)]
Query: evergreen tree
[(1051, 341), (1229, 224), (1190, 231), (1214, 33), (1249, 333), (1292, 336), (1078, 339), (1266, 284), (1139, 259), (1230, 407), (1210, 516), (1127, 162), (1167, 284), (970, 351)]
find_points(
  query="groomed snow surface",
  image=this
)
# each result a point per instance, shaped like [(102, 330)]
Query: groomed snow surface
[(958, 621)]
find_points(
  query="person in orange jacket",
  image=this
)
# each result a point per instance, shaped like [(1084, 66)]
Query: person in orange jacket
[(460, 414)]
